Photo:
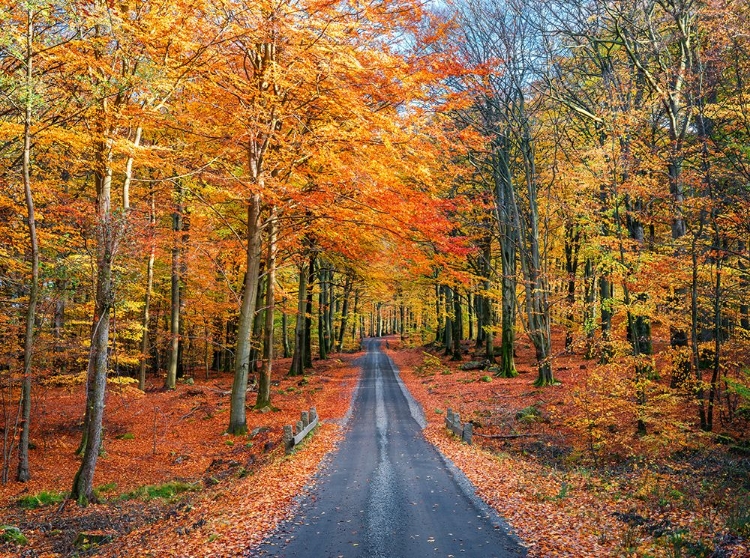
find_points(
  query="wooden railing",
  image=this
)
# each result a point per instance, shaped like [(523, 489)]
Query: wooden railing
[(293, 435)]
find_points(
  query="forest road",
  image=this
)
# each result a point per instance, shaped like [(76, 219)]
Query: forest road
[(387, 492)]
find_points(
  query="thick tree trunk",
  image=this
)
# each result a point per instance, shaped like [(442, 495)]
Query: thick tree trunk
[(237, 411)]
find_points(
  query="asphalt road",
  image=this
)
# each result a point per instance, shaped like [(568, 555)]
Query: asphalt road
[(387, 492)]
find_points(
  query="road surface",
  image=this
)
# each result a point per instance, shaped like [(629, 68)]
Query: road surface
[(387, 492)]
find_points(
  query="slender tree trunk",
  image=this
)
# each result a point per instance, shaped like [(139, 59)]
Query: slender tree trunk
[(572, 244), (96, 383), (694, 317), (589, 309), (470, 314), (379, 317), (256, 346), (457, 326), (744, 285), (308, 363), (448, 335), (298, 358), (23, 473), (237, 411), (330, 334), (149, 290), (439, 333), (264, 384), (322, 312), (355, 313), (348, 282), (174, 327), (285, 335), (718, 334)]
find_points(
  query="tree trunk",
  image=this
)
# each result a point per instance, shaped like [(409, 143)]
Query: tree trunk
[(174, 327), (348, 282), (448, 335), (264, 384), (470, 314), (572, 244), (237, 412), (22, 474), (744, 285), (355, 314), (96, 383), (307, 361), (256, 345), (285, 335), (149, 290), (323, 312), (589, 297), (298, 357), (457, 327), (439, 333)]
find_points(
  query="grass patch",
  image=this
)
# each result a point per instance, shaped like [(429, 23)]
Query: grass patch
[(165, 491), (13, 535), (44, 498)]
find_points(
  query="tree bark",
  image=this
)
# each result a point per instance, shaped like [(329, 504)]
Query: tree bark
[(23, 474), (96, 383), (174, 327), (307, 360), (348, 282), (323, 312), (264, 383), (298, 357), (237, 411), (457, 327), (149, 290)]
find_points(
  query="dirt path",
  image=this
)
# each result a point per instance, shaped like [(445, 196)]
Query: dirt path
[(388, 492)]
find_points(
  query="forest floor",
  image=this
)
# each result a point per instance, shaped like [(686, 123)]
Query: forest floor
[(566, 496), (172, 484)]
